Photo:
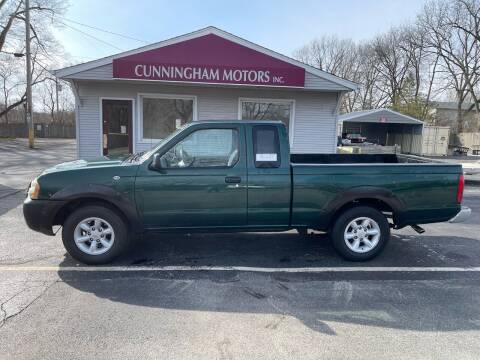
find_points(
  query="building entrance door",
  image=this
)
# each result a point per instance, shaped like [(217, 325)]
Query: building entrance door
[(117, 127)]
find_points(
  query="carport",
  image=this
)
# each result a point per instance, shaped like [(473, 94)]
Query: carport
[(385, 127)]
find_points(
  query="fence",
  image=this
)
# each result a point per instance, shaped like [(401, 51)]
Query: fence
[(41, 131)]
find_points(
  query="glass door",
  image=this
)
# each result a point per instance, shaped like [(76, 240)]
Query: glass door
[(117, 127)]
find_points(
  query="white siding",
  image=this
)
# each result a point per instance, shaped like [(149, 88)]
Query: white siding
[(315, 82), (89, 136), (217, 104), (314, 124), (104, 72)]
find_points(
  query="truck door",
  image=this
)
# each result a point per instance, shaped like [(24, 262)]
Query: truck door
[(202, 182), (268, 176)]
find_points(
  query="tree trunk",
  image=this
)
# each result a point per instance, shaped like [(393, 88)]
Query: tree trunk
[(459, 114)]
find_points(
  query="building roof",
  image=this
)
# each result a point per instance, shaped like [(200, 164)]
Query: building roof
[(68, 72), (452, 105), (381, 115)]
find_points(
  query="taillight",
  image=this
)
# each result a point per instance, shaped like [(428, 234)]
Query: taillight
[(461, 185)]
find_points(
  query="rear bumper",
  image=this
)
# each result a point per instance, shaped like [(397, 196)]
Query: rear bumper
[(40, 214), (463, 215)]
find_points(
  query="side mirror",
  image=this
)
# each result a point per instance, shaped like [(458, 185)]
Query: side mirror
[(158, 162)]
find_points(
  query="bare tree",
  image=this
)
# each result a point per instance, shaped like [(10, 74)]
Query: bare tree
[(393, 61), (9, 81), (9, 13), (329, 53), (406, 67), (470, 8), (442, 22), (343, 58), (55, 101), (12, 40), (48, 97), (368, 77)]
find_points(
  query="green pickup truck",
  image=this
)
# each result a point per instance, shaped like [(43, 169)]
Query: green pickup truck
[(239, 176)]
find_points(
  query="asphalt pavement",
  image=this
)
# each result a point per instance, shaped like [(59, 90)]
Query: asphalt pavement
[(19, 164), (239, 296)]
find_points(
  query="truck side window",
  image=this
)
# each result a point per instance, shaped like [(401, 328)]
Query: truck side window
[(266, 146), (203, 149)]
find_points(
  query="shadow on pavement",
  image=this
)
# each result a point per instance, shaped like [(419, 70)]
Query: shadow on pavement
[(410, 301), (280, 250), (10, 198)]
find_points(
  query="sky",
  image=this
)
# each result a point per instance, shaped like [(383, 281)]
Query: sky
[(280, 25)]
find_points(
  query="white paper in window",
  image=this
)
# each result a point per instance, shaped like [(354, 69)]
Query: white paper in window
[(266, 157), (178, 123), (123, 129)]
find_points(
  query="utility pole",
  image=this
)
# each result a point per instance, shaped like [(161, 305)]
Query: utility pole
[(56, 96), (31, 133)]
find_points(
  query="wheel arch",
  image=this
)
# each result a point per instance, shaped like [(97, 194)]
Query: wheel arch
[(77, 197), (380, 199)]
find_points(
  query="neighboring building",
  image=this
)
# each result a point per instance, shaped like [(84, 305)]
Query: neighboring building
[(394, 132), (127, 102), (385, 127), (445, 113)]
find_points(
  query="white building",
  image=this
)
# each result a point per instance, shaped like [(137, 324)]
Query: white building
[(129, 101)]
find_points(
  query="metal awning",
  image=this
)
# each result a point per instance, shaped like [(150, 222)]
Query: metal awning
[(383, 116)]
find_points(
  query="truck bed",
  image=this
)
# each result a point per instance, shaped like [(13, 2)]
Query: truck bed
[(421, 190), (356, 159)]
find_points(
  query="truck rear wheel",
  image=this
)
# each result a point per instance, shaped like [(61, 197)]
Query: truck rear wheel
[(360, 233), (94, 235)]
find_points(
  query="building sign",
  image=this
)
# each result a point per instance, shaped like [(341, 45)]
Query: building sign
[(209, 74), (383, 119), (232, 64)]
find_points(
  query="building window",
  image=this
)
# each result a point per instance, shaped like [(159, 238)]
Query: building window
[(162, 115), (263, 109)]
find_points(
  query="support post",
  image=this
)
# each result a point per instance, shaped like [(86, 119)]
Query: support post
[(31, 133)]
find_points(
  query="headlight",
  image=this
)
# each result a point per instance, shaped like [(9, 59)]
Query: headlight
[(34, 189)]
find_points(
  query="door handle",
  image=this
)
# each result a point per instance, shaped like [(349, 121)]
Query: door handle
[(233, 179)]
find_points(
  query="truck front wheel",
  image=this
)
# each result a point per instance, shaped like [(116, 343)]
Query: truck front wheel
[(94, 235), (360, 233)]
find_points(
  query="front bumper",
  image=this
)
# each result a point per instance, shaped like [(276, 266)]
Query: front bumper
[(463, 215), (40, 214)]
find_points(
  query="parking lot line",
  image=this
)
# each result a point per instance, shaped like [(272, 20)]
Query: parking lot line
[(235, 268)]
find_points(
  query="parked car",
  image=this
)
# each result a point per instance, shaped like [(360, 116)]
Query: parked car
[(346, 142), (356, 138), (226, 176)]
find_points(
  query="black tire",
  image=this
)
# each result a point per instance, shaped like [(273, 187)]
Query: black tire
[(341, 223), (119, 228)]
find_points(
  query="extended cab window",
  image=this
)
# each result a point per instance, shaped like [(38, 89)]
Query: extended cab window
[(266, 146), (203, 149)]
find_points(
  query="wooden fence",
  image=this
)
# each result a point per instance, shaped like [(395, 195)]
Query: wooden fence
[(41, 131)]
